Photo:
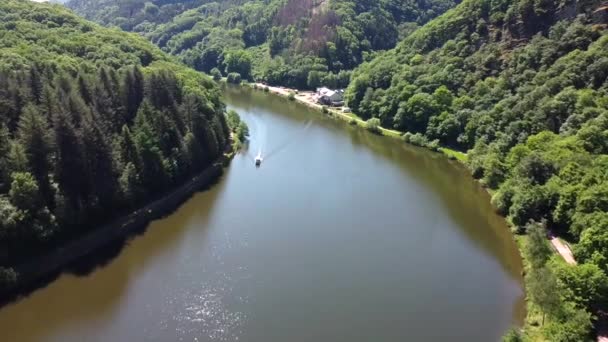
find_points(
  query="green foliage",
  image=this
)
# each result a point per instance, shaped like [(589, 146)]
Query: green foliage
[(586, 284), (24, 193), (238, 62), (543, 289), (234, 78), (373, 125), (522, 85), (537, 249), (237, 126), (291, 96), (216, 74), (295, 43), (574, 325), (93, 123), (513, 335)]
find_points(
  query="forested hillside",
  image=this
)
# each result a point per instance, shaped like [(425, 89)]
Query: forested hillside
[(93, 122), (523, 84), (296, 43)]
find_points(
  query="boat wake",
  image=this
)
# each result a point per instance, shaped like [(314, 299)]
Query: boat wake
[(261, 139)]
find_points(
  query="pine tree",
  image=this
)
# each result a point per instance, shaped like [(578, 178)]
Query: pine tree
[(84, 89), (17, 158), (69, 163), (5, 147), (49, 102), (133, 90), (33, 133), (36, 83), (100, 172)]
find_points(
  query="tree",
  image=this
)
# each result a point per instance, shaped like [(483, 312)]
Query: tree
[(373, 125), (234, 78), (574, 325), (70, 163), (5, 146), (530, 203), (133, 85), (586, 284), (537, 249), (544, 291), (216, 74), (129, 183), (238, 61), (535, 169), (415, 113), (315, 79), (513, 335), (33, 133), (25, 193)]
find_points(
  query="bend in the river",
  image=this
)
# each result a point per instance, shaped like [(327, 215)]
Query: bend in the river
[(340, 235)]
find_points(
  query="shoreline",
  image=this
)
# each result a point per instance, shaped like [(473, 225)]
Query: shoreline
[(305, 98), (558, 246), (520, 240), (36, 272)]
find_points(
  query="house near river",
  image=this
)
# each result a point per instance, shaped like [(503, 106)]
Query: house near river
[(330, 97)]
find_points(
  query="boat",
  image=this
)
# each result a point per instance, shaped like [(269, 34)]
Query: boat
[(258, 160)]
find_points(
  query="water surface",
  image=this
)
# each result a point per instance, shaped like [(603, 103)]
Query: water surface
[(340, 235)]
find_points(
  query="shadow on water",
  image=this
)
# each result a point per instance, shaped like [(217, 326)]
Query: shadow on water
[(99, 280)]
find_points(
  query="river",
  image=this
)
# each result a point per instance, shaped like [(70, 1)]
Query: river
[(340, 235)]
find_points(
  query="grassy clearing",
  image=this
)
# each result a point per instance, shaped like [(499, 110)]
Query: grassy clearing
[(460, 156)]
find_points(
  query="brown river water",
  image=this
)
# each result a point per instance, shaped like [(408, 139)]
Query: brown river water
[(340, 235)]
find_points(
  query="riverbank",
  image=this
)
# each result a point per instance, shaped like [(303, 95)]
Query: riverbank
[(306, 98), (32, 273), (533, 317)]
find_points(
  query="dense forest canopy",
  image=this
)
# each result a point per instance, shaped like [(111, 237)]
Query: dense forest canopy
[(523, 85), (93, 123), (297, 43)]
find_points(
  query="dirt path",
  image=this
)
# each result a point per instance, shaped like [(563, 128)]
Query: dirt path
[(562, 249)]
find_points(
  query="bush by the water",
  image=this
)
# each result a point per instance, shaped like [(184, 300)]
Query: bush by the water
[(373, 125), (236, 125), (234, 78), (216, 74), (291, 96)]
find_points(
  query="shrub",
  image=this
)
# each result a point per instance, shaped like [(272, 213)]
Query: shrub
[(266, 89), (513, 335), (419, 140), (434, 145), (373, 125), (324, 110), (406, 137), (291, 96), (234, 78), (216, 74)]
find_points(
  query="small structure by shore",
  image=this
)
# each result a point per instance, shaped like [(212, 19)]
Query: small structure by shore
[(329, 97)]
